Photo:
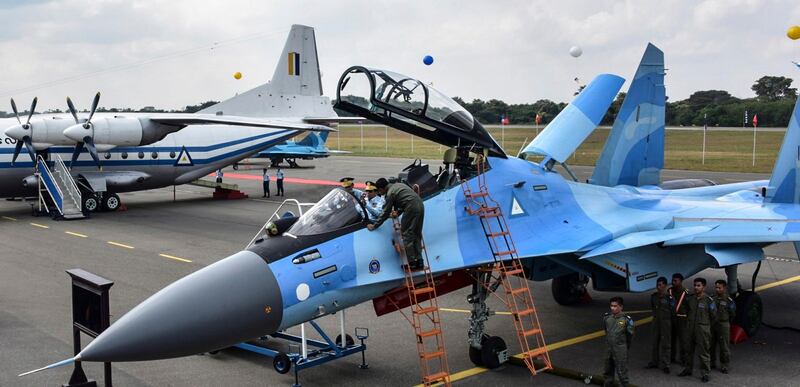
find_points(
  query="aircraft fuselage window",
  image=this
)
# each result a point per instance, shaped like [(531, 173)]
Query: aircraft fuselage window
[(172, 154), (141, 155), (154, 155), (107, 155), (124, 155)]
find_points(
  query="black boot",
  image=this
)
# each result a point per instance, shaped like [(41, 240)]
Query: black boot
[(685, 372)]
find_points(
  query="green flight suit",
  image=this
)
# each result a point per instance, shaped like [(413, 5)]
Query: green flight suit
[(619, 333), (680, 338), (721, 331), (663, 307), (702, 315), (405, 201)]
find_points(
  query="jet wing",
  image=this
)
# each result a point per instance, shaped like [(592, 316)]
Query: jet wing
[(210, 119), (739, 230)]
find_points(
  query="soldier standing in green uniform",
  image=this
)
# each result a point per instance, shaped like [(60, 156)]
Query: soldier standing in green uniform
[(401, 199), (679, 334), (663, 306), (619, 334), (702, 315), (721, 331)]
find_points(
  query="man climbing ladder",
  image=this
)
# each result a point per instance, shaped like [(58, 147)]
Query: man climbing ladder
[(402, 200)]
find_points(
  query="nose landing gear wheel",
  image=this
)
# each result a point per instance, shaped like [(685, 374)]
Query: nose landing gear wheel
[(490, 351)]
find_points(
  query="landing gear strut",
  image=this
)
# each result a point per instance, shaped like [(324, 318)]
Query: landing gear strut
[(484, 350), (570, 288)]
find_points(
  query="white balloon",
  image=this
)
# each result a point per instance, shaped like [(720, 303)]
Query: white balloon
[(575, 51)]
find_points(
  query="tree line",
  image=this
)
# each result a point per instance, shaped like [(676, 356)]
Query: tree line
[(773, 103)]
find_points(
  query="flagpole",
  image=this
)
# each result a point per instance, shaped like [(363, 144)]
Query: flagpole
[(755, 129), (705, 129)]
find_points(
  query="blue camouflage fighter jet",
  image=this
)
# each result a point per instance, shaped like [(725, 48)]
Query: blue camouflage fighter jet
[(621, 230)]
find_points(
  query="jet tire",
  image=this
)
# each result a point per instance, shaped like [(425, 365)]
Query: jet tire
[(568, 289), (749, 311), (90, 203), (490, 350), (348, 340), (475, 356)]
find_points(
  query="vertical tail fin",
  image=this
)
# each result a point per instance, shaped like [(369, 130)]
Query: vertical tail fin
[(634, 152), (783, 184), (295, 89)]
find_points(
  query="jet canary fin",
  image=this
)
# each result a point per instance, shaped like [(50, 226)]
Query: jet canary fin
[(569, 129), (634, 152)]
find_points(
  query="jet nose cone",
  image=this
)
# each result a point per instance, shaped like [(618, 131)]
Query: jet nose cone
[(76, 132), (16, 132), (233, 300)]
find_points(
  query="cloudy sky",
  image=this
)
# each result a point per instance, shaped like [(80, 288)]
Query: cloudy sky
[(172, 53)]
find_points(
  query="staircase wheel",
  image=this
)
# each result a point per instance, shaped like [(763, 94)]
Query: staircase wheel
[(490, 350), (282, 363), (111, 202), (348, 340)]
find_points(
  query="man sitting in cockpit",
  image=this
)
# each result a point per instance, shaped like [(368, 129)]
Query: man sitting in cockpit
[(373, 202)]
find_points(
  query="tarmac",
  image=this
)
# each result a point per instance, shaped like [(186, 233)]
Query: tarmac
[(158, 240)]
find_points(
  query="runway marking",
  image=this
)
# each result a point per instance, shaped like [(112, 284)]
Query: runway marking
[(9, 218), (76, 234), (590, 336), (119, 244), (175, 258), (39, 225), (469, 311)]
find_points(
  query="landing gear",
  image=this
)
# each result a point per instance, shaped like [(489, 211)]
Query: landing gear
[(749, 311), (484, 350), (569, 289), (111, 201), (90, 202)]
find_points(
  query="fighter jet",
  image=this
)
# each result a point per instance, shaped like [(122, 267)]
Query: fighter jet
[(619, 235), (145, 151), (310, 147)]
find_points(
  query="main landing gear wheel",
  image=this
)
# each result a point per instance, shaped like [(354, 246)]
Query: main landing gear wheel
[(490, 351), (348, 340), (90, 203), (569, 289), (282, 363), (749, 311), (111, 202)]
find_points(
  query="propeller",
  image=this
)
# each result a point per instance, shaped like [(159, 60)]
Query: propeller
[(26, 138), (88, 139)]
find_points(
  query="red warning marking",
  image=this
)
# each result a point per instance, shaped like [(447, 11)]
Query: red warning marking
[(292, 180)]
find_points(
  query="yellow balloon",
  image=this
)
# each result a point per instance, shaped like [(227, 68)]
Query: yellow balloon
[(793, 33), (237, 75)]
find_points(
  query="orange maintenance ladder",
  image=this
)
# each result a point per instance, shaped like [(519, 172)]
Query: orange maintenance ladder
[(424, 317), (508, 270)]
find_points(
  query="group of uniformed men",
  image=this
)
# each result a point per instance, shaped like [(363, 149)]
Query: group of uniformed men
[(383, 200), (695, 322)]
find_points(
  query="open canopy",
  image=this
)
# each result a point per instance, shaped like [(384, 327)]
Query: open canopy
[(409, 105)]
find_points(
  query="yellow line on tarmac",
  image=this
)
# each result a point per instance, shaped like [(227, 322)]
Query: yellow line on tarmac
[(175, 258), (119, 244), (9, 218), (39, 225), (76, 234), (590, 336)]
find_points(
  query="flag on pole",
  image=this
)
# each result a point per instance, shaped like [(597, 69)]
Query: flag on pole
[(705, 122), (755, 120), (745, 119), (504, 119), (538, 119)]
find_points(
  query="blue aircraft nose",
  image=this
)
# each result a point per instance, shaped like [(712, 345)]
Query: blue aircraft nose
[(234, 300)]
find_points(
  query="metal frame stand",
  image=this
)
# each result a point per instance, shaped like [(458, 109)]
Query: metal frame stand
[(322, 351)]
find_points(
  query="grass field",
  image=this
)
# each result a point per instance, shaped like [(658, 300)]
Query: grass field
[(726, 151)]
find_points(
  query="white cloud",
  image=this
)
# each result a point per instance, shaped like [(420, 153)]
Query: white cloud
[(514, 50)]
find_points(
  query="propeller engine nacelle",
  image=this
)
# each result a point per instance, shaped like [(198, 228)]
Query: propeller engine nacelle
[(119, 131), (43, 133)]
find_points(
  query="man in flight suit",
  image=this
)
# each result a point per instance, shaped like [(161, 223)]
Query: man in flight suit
[(721, 331), (619, 334), (702, 315), (679, 336), (401, 199), (663, 305)]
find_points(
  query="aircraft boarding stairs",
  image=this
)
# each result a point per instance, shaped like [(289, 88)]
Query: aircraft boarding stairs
[(508, 270), (425, 317), (58, 189)]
